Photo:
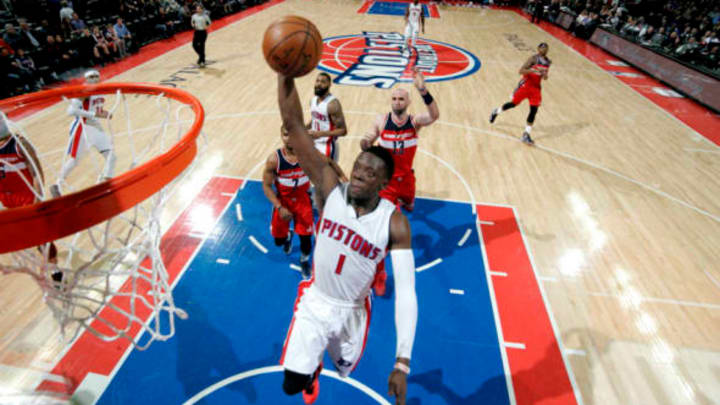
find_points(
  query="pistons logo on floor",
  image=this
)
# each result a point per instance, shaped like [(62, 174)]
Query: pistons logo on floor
[(377, 59)]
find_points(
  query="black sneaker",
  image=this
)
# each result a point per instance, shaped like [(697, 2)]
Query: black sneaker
[(305, 269), (287, 246), (527, 140), (493, 115)]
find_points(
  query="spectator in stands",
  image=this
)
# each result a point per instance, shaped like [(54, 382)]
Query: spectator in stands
[(45, 29), (102, 49), (28, 70), (123, 33), (11, 83), (77, 23), (672, 42), (12, 37), (166, 20), (688, 50), (117, 43), (657, 38), (29, 41)]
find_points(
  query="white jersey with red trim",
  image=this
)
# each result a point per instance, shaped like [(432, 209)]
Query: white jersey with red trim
[(348, 248), (414, 14), (321, 121), (83, 109)]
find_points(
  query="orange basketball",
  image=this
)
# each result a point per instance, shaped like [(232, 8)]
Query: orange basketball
[(292, 46)]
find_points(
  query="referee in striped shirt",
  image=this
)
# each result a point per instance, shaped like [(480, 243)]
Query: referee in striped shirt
[(200, 22)]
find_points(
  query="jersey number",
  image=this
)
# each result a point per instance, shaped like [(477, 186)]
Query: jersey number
[(340, 264), (398, 147), (295, 182)]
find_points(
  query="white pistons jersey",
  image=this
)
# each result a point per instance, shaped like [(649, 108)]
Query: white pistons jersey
[(348, 249), (414, 14), (321, 121), (90, 104)]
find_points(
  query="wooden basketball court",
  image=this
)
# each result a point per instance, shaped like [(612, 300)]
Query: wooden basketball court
[(617, 202)]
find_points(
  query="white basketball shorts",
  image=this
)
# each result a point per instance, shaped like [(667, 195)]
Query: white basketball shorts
[(320, 323), (82, 137)]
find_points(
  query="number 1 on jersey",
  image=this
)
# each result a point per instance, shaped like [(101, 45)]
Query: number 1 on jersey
[(340, 264)]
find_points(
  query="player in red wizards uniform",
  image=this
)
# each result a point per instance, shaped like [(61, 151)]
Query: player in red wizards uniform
[(398, 133), (21, 179), (534, 71), (290, 200)]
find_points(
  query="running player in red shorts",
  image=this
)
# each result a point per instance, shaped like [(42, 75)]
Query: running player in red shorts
[(290, 200), (21, 179), (534, 71)]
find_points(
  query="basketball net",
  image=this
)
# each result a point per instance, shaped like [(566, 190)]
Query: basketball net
[(114, 281)]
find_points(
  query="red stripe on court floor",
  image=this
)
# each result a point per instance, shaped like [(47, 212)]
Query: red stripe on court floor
[(693, 114), (365, 7), (89, 354), (538, 372), (149, 52)]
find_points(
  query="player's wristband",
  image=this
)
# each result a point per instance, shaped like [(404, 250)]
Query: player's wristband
[(402, 367), (427, 98)]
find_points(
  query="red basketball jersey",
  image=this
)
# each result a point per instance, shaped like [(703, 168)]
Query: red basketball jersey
[(401, 142), (291, 180), (533, 79)]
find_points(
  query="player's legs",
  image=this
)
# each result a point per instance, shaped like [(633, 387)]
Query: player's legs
[(280, 231), (518, 96), (406, 35), (346, 346), (102, 142), (535, 100), (414, 35), (306, 342), (391, 191), (406, 192), (303, 217), (77, 146)]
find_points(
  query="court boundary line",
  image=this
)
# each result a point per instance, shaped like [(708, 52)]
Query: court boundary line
[(551, 314)]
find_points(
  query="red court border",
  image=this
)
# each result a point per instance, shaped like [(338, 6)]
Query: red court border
[(534, 353)]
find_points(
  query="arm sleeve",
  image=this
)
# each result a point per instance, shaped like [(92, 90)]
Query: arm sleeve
[(406, 309), (75, 109)]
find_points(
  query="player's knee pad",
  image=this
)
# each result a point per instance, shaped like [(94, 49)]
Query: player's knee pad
[(305, 244), (280, 241), (531, 116), (295, 382)]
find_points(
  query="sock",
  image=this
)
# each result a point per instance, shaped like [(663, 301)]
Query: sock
[(528, 128), (304, 258), (497, 110), (109, 168)]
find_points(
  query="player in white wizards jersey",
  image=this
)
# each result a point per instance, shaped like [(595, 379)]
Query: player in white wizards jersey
[(414, 20), (327, 121), (86, 131), (333, 308)]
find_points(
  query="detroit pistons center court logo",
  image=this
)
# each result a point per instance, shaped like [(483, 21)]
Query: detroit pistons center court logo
[(376, 59)]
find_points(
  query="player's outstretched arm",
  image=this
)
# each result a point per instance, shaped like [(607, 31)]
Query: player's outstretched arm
[(374, 133), (338, 170), (406, 310), (433, 113), (311, 161)]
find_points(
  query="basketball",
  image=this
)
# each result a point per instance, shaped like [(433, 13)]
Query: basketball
[(292, 46)]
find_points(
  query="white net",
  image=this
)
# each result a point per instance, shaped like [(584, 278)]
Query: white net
[(110, 278)]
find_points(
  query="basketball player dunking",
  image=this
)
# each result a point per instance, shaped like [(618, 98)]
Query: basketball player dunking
[(86, 131), (533, 72), (290, 200), (332, 310), (414, 19), (327, 120), (21, 180)]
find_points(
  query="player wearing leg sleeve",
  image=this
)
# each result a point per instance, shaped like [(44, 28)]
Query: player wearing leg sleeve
[(333, 308), (534, 70)]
